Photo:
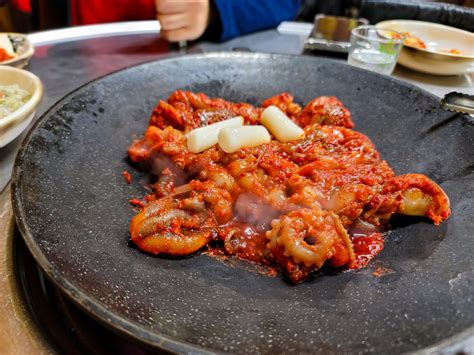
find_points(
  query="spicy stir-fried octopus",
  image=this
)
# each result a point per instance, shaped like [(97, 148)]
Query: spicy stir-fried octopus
[(294, 206)]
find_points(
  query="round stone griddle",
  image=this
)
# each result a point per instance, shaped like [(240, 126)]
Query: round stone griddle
[(71, 205)]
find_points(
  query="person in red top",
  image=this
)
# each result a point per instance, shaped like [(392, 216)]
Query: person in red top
[(89, 12)]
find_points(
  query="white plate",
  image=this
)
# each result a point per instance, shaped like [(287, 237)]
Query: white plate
[(23, 48), (438, 39), (12, 125)]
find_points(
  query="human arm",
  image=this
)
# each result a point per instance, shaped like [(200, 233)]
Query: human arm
[(239, 17), (189, 19)]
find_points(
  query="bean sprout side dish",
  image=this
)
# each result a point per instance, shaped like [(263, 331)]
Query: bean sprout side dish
[(12, 97)]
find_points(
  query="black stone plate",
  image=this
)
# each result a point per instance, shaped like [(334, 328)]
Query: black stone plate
[(71, 205)]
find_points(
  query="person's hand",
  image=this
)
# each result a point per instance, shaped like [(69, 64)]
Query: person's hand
[(182, 20)]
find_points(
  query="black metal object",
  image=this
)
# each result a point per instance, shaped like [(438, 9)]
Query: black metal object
[(71, 205), (458, 102), (65, 327)]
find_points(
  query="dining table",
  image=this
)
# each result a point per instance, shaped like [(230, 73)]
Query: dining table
[(66, 59)]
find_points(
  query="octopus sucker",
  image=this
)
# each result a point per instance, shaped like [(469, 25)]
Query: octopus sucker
[(306, 236)]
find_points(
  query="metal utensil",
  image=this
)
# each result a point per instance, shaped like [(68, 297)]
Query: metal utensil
[(458, 102)]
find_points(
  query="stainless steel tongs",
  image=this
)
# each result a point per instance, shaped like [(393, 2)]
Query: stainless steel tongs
[(455, 101)]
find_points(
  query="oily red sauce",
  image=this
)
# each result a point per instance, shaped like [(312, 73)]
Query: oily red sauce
[(245, 242), (366, 248), (237, 240)]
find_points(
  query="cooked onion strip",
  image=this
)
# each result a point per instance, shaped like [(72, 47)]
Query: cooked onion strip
[(280, 125), (232, 139), (203, 138)]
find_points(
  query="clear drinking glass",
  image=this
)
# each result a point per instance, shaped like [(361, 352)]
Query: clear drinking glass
[(375, 49)]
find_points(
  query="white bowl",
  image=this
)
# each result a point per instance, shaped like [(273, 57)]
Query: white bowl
[(12, 125), (438, 39), (24, 49)]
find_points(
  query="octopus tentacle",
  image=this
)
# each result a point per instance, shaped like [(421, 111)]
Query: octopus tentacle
[(306, 236), (421, 196), (161, 228)]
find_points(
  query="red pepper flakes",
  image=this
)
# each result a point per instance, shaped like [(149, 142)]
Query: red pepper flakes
[(381, 271), (137, 202), (127, 177)]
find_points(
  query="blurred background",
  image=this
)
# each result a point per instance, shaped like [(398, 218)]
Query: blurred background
[(35, 15)]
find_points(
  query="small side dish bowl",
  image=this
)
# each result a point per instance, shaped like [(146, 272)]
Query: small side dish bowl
[(13, 124), (24, 50), (449, 51)]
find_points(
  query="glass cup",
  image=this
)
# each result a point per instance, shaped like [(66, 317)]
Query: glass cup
[(375, 49)]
